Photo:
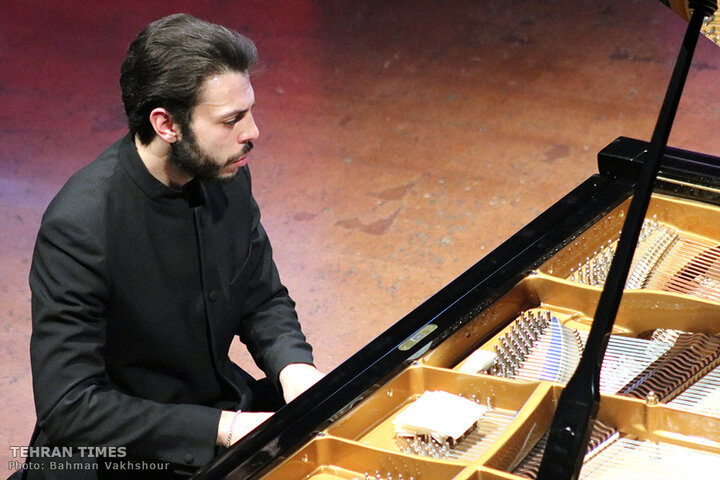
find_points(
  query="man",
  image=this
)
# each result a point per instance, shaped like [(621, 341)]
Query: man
[(147, 264)]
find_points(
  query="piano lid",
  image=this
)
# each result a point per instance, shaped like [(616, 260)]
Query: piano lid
[(711, 24)]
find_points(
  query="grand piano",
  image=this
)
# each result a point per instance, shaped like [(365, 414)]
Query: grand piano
[(508, 335)]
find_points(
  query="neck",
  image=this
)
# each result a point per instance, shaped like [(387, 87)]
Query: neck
[(155, 157)]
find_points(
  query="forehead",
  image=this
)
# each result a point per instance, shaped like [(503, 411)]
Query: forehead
[(227, 91)]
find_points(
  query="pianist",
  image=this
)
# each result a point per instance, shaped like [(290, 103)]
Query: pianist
[(147, 264)]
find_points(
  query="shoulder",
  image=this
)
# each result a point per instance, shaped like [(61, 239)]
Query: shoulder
[(84, 196)]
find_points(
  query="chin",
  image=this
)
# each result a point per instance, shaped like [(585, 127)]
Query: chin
[(223, 178)]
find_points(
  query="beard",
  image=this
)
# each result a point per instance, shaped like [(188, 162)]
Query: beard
[(189, 157)]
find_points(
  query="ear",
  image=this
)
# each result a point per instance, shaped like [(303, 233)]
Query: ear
[(164, 126)]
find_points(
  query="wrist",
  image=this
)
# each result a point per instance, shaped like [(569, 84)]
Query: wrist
[(228, 440), (292, 369), (295, 378), (226, 426)]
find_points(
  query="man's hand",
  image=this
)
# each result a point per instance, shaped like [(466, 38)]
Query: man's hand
[(243, 424), (296, 378)]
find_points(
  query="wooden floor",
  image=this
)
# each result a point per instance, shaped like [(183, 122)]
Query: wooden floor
[(401, 141)]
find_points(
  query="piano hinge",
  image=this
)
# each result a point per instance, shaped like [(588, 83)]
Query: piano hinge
[(417, 337)]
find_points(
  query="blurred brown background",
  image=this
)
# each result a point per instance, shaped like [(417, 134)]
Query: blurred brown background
[(401, 141)]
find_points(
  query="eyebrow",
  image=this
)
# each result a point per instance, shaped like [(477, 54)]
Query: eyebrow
[(235, 113)]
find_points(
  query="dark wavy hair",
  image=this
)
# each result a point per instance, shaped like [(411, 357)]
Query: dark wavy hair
[(168, 62)]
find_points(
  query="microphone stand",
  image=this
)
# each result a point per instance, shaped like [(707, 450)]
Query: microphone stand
[(579, 402)]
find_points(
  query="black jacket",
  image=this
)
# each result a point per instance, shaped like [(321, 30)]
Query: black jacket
[(137, 293)]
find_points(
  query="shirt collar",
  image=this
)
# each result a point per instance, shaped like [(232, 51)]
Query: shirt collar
[(141, 176)]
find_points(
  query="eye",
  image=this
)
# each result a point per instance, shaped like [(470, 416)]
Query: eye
[(232, 121)]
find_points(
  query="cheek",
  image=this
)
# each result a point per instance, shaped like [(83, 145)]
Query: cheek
[(216, 139)]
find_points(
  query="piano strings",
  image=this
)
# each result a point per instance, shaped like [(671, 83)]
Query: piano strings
[(613, 455), (666, 259), (601, 437), (537, 346)]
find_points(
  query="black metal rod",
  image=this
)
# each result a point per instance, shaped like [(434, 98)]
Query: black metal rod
[(579, 402)]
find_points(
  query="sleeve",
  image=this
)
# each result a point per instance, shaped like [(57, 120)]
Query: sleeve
[(270, 326), (75, 402)]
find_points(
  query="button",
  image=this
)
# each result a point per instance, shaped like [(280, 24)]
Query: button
[(189, 458), (213, 296)]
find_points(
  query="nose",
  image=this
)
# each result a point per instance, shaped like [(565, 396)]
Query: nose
[(250, 130)]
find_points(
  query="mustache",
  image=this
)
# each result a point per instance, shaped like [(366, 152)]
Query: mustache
[(247, 146)]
